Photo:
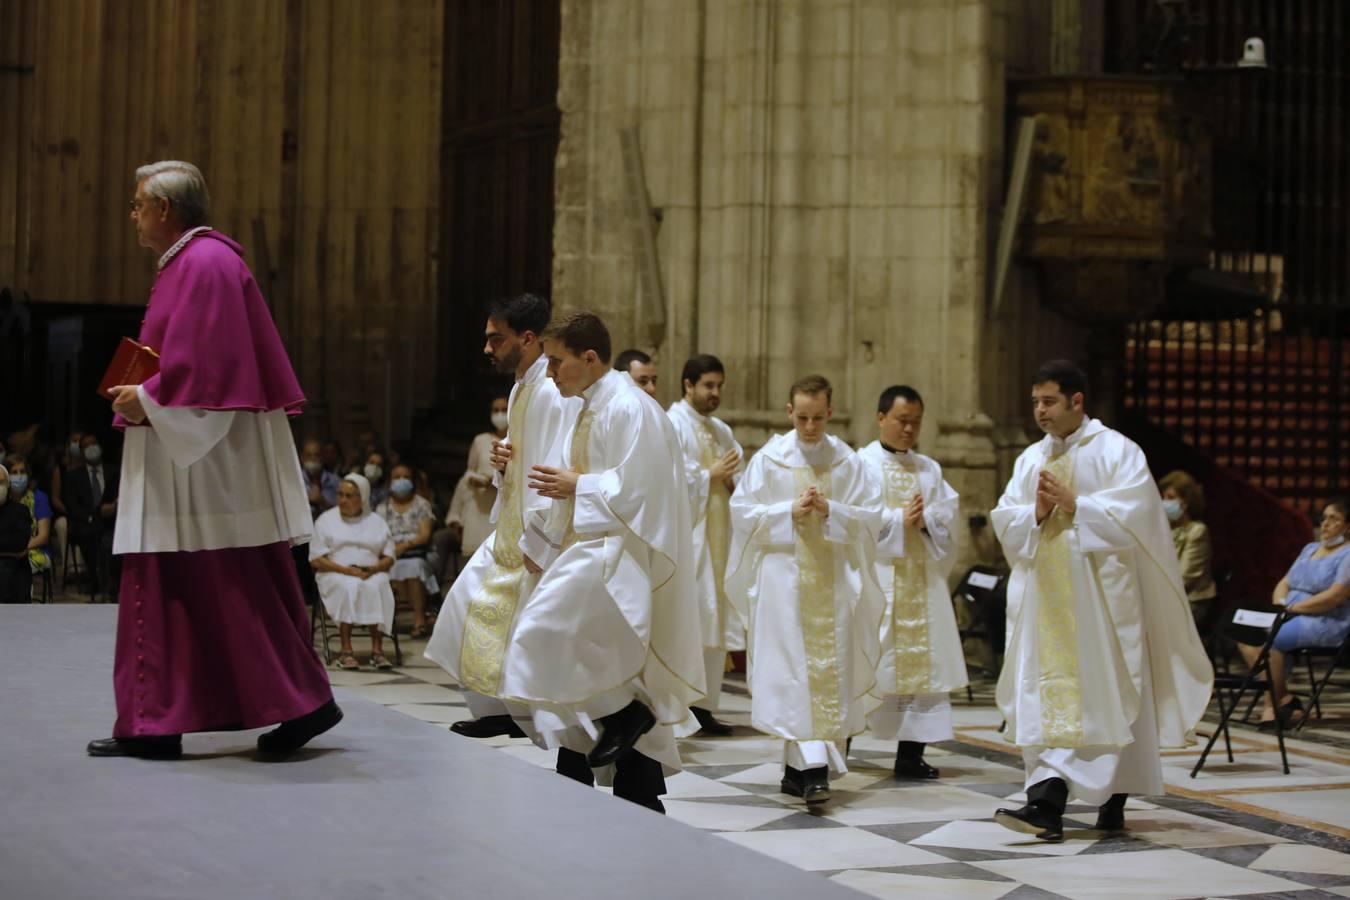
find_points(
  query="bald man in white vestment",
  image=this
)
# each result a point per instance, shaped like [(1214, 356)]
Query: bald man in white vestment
[(1103, 665), (921, 656)]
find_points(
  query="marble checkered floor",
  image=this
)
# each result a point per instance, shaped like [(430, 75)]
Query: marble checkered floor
[(1239, 830)]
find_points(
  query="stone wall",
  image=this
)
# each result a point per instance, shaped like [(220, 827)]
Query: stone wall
[(824, 173)]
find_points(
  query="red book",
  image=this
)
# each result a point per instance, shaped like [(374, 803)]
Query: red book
[(133, 363)]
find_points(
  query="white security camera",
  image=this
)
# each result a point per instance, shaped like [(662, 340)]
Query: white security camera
[(1253, 54)]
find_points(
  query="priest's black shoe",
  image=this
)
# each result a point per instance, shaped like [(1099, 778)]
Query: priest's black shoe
[(812, 785), (293, 734), (914, 768), (1111, 814), (488, 726), (708, 724), (620, 732), (1033, 819), (164, 747)]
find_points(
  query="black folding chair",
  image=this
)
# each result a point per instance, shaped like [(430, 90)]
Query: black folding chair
[(1334, 655), (1236, 686), (983, 593)]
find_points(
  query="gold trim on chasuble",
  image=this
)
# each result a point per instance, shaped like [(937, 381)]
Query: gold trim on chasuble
[(909, 586), (815, 572), (487, 624), (579, 461), (717, 519), (1057, 624)]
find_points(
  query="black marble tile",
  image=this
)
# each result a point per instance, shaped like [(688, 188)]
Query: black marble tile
[(717, 773), (798, 821), (965, 854), (955, 870), (1029, 892), (735, 800), (904, 832), (1255, 823), (1312, 879), (1243, 855)]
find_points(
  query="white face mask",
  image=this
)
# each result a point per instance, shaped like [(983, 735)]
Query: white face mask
[(500, 420), (93, 453), (1333, 541), (1173, 509), (313, 466), (373, 472)]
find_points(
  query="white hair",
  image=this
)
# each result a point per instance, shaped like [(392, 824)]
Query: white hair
[(182, 184)]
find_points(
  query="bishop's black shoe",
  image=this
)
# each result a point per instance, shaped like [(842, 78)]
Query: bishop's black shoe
[(1034, 818), (169, 746), (620, 731), (293, 734), (1111, 814), (708, 724), (488, 726)]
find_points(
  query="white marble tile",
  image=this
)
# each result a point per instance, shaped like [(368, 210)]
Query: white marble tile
[(442, 715), (1173, 828), (1150, 874), (431, 675), (723, 816), (389, 694), (833, 848), (767, 773), (349, 678), (900, 886), (731, 752), (994, 837), (1302, 858), (930, 803), (1331, 806), (691, 784), (1251, 769)]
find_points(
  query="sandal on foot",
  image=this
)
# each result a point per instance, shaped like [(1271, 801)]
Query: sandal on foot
[(347, 661), (418, 631), (380, 661)]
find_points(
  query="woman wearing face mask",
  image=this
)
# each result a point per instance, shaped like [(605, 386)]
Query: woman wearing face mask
[(24, 492), (351, 552), (1315, 589), (1184, 502), (410, 518), (470, 516), (16, 576), (373, 470)]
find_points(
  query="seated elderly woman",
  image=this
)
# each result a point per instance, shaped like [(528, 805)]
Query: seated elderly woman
[(1184, 502), (16, 578), (24, 492), (352, 553), (1315, 591), (410, 520)]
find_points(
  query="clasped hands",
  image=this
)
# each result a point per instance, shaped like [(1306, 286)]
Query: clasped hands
[(811, 501), (914, 512), (1051, 493), (556, 484), (725, 468)]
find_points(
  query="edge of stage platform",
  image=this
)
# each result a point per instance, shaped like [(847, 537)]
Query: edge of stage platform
[(383, 806)]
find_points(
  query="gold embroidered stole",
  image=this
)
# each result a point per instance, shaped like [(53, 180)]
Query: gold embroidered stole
[(579, 461), (815, 568), (909, 583), (1057, 624), (717, 519), (487, 623)]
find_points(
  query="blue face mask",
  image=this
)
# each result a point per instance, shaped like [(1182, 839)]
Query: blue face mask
[(18, 483), (401, 487), (1173, 509)]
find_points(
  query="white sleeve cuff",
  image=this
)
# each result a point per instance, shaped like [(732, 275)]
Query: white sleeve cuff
[(187, 433)]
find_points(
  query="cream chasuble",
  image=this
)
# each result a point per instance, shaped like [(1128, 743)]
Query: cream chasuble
[(920, 643), (480, 609), (614, 615), (704, 440), (1102, 647), (807, 590)]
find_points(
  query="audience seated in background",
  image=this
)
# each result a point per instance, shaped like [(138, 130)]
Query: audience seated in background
[(333, 459), (320, 484), (91, 505), (1315, 590), (470, 515), (24, 491), (16, 576), (1184, 502), (351, 552), (374, 471), (410, 521)]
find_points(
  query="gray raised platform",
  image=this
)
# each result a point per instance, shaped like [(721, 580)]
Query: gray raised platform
[(383, 806)]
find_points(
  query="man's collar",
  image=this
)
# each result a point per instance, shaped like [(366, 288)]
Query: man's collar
[(537, 371), (1061, 445)]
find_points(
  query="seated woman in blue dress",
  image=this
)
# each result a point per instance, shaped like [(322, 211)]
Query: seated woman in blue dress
[(1315, 589)]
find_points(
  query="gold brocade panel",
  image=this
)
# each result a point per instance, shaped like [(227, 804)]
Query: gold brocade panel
[(815, 568), (579, 461), (717, 520), (909, 583), (487, 623), (1057, 624)]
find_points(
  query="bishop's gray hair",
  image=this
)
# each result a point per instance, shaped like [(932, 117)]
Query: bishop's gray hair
[(182, 184)]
